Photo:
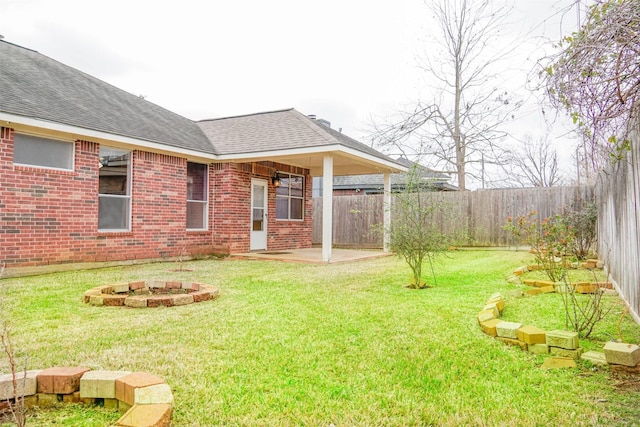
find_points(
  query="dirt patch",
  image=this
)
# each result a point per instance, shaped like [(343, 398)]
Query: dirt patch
[(626, 378)]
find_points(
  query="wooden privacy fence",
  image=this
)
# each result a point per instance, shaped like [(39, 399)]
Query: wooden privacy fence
[(357, 220), (618, 195)]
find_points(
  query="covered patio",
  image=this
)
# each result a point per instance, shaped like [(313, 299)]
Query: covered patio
[(291, 138)]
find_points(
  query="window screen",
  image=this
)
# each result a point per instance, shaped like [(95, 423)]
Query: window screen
[(197, 196), (114, 209), (42, 152), (290, 197)]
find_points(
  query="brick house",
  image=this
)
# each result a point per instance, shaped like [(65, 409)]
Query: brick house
[(91, 173)]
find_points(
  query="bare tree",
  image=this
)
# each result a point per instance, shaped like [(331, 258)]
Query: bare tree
[(462, 123), (535, 164)]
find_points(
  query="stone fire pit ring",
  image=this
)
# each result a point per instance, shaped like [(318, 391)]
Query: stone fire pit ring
[(154, 293)]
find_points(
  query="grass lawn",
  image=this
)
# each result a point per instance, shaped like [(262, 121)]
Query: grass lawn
[(343, 344)]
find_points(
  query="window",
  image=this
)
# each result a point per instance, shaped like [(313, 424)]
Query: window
[(114, 208), (42, 152), (197, 196), (290, 197)]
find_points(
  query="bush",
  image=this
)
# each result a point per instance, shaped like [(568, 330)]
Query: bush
[(583, 225), (553, 240), (415, 236), (549, 240), (416, 231)]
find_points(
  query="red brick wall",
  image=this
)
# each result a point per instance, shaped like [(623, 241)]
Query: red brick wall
[(291, 234), (232, 209), (232, 206), (158, 214), (51, 217), (45, 215)]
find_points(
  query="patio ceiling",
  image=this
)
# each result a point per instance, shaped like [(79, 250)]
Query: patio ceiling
[(345, 161)]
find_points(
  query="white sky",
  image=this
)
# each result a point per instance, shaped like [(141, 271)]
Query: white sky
[(343, 60)]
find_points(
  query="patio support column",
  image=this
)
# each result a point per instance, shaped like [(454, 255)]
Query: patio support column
[(327, 207), (386, 239)]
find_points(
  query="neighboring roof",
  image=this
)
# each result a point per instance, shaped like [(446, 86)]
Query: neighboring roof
[(425, 172), (35, 86), (435, 179)]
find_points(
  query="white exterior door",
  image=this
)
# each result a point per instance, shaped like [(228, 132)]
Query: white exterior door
[(258, 238)]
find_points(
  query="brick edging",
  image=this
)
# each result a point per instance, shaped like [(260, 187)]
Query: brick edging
[(154, 293), (558, 342), (548, 286), (146, 398)]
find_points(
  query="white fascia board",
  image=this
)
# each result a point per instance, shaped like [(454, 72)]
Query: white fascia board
[(90, 134), (390, 164), (243, 157), (262, 155)]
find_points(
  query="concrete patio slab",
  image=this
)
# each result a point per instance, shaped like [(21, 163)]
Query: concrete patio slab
[(313, 255)]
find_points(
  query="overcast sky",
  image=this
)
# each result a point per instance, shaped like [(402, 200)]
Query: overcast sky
[(342, 60)]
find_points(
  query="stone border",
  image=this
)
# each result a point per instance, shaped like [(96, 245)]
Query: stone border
[(548, 286), (146, 399), (559, 343), (155, 293)]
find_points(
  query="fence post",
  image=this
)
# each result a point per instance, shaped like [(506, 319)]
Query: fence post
[(386, 244)]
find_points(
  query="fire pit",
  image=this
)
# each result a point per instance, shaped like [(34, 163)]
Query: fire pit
[(153, 293)]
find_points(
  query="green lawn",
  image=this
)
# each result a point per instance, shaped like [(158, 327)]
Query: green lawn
[(343, 344)]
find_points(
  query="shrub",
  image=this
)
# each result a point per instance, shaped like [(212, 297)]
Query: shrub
[(549, 241), (417, 232), (553, 240), (583, 225)]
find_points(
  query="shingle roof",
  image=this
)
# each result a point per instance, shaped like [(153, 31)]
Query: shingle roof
[(276, 130), (36, 86), (350, 142)]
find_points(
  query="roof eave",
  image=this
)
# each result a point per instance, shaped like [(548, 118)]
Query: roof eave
[(366, 161), (79, 133), (378, 165)]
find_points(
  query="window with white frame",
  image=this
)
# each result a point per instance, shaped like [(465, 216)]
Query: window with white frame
[(41, 152), (197, 196), (290, 197), (114, 208)]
